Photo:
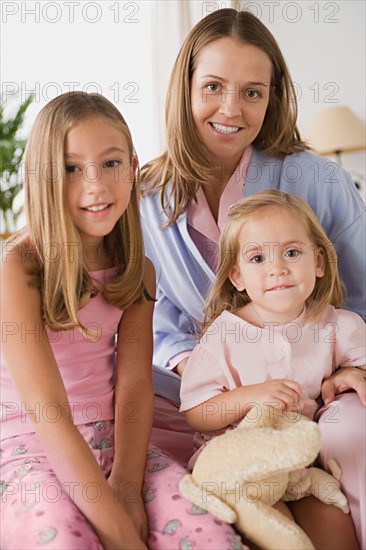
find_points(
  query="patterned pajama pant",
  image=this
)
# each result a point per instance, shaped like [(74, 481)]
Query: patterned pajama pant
[(36, 511)]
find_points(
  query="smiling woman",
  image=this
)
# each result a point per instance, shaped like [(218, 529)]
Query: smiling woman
[(229, 98)]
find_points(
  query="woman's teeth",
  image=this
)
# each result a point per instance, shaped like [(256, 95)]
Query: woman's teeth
[(225, 129)]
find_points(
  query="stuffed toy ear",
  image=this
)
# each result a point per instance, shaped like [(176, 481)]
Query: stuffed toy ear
[(204, 497)]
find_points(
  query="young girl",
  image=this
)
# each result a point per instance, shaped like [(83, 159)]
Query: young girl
[(272, 329), (77, 408)]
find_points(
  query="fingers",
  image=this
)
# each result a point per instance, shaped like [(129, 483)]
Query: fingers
[(346, 378), (360, 388), (328, 391), (279, 393), (288, 392)]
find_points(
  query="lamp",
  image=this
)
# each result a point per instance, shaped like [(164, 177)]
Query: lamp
[(337, 130)]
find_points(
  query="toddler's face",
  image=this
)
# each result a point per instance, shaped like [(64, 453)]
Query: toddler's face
[(278, 264)]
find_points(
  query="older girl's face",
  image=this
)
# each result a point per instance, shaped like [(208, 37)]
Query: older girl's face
[(229, 96), (99, 177)]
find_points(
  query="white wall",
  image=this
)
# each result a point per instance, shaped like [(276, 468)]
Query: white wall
[(51, 47)]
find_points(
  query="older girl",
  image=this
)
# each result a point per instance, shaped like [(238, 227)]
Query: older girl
[(77, 408)]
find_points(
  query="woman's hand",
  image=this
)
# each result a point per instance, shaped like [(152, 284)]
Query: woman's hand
[(345, 378)]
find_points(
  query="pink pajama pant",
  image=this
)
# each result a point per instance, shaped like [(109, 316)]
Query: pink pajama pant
[(36, 511)]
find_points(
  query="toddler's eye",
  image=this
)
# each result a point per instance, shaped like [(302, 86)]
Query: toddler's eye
[(257, 259), (292, 254)]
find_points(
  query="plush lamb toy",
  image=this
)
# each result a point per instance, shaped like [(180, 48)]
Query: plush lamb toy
[(241, 474)]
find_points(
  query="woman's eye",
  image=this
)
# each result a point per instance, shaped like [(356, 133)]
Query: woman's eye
[(112, 163), (212, 87), (253, 94)]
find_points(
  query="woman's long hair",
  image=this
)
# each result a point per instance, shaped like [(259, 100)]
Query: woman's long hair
[(183, 163)]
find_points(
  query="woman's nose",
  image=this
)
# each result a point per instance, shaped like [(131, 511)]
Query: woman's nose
[(230, 105)]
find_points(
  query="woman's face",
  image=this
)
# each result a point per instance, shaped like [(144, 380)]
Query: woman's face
[(229, 96)]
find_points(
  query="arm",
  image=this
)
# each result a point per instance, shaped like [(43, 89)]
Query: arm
[(134, 404), (174, 332), (211, 396), (37, 379), (180, 284), (349, 357), (230, 406)]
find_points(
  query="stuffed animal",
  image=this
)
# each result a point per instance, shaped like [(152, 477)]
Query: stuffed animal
[(241, 474)]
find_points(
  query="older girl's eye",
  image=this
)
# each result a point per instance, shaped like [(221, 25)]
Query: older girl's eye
[(71, 168), (112, 163)]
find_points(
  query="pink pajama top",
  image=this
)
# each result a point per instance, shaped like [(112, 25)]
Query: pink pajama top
[(87, 367), (234, 353)]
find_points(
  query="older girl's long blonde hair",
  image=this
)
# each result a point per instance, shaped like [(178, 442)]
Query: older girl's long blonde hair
[(183, 163), (60, 272), (224, 296)]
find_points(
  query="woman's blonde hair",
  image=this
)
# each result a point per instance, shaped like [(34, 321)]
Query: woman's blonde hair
[(60, 272), (183, 162), (224, 296)]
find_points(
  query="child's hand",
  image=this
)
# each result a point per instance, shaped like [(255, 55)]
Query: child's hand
[(345, 378), (279, 393), (136, 511), (128, 495)]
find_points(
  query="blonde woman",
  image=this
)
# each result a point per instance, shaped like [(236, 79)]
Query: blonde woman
[(273, 330), (77, 410)]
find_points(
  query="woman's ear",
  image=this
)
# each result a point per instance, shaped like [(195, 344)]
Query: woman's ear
[(236, 278), (320, 263)]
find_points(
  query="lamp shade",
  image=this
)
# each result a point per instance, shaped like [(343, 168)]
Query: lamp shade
[(337, 129)]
